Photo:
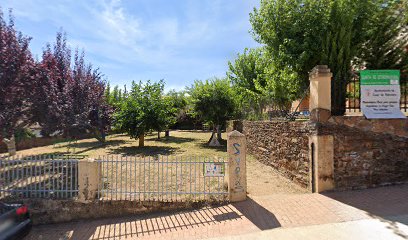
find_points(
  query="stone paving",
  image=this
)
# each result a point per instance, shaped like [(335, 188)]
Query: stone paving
[(370, 229), (257, 214)]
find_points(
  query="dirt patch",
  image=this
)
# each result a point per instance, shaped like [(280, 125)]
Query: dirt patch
[(265, 180)]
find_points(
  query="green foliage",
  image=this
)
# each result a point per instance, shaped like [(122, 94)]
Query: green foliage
[(292, 31), (115, 97), (300, 34), (248, 75), (23, 134), (259, 81), (387, 32), (145, 109), (181, 102), (178, 99), (213, 100)]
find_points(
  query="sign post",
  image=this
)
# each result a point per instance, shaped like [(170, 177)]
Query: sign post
[(380, 94)]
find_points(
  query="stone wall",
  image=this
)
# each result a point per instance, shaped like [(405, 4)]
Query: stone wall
[(368, 153), (282, 145)]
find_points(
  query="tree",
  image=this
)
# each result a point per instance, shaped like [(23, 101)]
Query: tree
[(69, 99), (248, 75), (17, 77), (213, 102), (179, 103), (300, 34), (260, 82), (144, 109), (53, 106), (387, 36), (90, 110)]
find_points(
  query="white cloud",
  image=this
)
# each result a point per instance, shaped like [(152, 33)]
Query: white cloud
[(144, 41)]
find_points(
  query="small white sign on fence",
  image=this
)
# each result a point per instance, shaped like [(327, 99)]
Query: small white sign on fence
[(214, 169)]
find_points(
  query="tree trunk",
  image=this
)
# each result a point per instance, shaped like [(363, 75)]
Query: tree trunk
[(103, 136), (100, 135), (11, 145), (158, 135), (141, 140), (167, 133), (214, 142), (219, 137)]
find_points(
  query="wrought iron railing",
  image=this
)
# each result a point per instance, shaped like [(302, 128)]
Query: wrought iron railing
[(160, 178), (43, 176)]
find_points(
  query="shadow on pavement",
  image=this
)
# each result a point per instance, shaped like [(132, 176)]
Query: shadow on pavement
[(206, 219), (258, 215)]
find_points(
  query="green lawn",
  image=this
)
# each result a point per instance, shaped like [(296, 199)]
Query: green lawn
[(180, 143)]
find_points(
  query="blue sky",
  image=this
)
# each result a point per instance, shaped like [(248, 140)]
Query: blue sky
[(175, 40)]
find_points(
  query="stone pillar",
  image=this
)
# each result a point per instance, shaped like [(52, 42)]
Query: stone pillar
[(321, 146), (320, 93), (322, 153), (237, 182), (88, 179)]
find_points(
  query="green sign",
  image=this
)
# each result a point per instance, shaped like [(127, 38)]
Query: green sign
[(380, 94), (380, 77)]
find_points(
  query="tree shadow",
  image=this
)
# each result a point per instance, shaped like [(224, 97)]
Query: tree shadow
[(88, 146), (222, 148), (144, 151), (171, 139), (92, 144)]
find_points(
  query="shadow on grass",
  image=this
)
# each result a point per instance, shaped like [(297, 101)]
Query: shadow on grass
[(144, 151), (222, 148), (88, 146), (171, 139), (93, 144)]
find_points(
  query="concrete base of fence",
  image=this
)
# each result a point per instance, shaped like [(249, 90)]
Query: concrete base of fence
[(88, 179), (46, 211)]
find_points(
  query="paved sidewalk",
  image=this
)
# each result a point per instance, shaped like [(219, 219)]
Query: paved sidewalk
[(372, 229), (257, 214)]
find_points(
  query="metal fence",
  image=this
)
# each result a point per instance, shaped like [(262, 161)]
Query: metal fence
[(353, 94), (43, 176), (160, 178)]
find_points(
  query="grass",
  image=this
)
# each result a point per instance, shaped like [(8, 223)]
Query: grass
[(123, 174), (180, 143), (262, 179)]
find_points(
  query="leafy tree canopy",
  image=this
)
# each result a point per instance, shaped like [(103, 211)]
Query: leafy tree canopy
[(145, 109), (213, 100), (300, 34)]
